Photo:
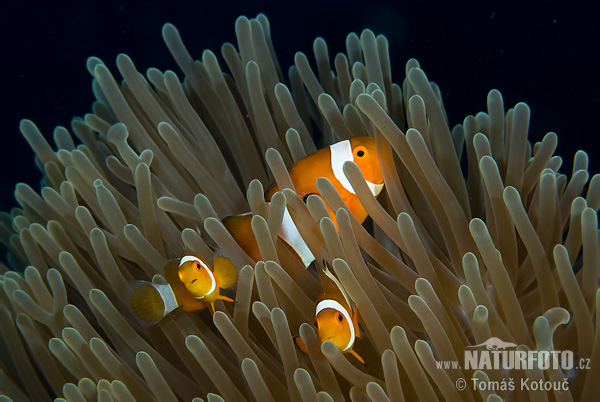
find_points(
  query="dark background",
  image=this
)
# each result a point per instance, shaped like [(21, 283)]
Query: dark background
[(542, 53)]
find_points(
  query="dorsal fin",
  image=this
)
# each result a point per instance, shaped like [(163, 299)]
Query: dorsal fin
[(273, 188), (171, 269), (206, 238)]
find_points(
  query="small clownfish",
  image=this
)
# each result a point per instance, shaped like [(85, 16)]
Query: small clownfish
[(151, 301), (327, 162), (335, 318), (205, 284)]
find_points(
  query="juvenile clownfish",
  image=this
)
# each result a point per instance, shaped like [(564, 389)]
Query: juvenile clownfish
[(327, 162), (187, 286), (205, 284), (335, 318)]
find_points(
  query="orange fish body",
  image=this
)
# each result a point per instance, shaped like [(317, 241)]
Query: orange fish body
[(336, 320), (241, 230), (239, 226), (327, 162), (151, 302)]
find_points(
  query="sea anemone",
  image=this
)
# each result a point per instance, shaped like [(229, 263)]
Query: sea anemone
[(444, 264)]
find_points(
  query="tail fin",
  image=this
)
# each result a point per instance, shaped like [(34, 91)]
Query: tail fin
[(225, 271), (150, 302)]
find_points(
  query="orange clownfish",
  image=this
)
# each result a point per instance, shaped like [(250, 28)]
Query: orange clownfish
[(335, 318), (190, 285), (327, 162), (203, 283)]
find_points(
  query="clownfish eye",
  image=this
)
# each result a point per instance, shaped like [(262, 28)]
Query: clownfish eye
[(197, 266), (340, 317), (360, 151)]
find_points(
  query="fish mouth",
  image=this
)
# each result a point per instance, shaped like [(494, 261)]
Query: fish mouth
[(192, 281)]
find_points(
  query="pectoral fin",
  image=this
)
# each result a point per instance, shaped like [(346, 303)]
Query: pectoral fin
[(225, 272)]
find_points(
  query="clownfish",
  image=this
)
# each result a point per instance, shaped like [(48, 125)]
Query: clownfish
[(327, 162), (205, 284), (190, 284), (336, 320)]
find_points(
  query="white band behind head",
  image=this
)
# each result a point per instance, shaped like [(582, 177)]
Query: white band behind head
[(213, 283), (337, 306), (341, 152), (188, 258)]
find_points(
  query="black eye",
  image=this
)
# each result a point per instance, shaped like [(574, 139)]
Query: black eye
[(360, 151), (197, 265), (340, 317), (316, 325)]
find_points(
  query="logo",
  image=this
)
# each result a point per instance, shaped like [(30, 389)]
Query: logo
[(494, 343), (496, 354), (499, 354)]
